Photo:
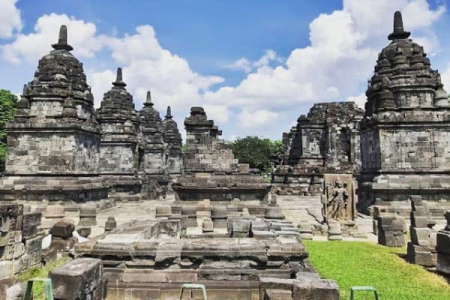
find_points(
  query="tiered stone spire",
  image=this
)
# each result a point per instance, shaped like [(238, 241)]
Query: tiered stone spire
[(406, 112), (173, 140), (117, 108), (152, 130), (403, 65), (121, 142), (62, 137)]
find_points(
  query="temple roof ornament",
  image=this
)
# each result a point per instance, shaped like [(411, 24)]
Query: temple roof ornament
[(399, 32), (62, 40), (119, 82), (169, 113)]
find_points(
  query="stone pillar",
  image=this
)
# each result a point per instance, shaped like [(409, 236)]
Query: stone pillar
[(334, 231), (391, 231), (420, 248), (305, 231), (207, 226), (273, 212), (62, 238), (191, 213), (81, 278), (110, 224), (88, 216), (219, 216), (163, 211), (443, 247)]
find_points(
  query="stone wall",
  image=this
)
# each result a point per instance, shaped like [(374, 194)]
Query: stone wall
[(20, 242)]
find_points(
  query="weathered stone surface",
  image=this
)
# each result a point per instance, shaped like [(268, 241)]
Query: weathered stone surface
[(173, 140), (62, 229), (272, 212), (320, 289), (88, 215), (163, 211), (391, 231), (78, 279), (420, 255), (55, 133), (110, 223), (325, 141), (20, 245), (406, 111)]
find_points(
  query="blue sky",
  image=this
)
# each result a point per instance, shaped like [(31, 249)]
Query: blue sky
[(254, 65)]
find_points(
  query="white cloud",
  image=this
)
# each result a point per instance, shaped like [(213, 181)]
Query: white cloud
[(31, 47), (360, 100), (147, 66), (247, 66), (10, 20), (258, 118), (240, 64)]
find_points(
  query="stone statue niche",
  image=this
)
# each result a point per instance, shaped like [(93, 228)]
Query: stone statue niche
[(339, 198)]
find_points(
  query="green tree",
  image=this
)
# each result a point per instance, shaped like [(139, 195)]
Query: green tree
[(258, 153), (7, 111)]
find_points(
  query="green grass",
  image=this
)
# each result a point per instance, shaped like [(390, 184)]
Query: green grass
[(363, 263), (41, 272)]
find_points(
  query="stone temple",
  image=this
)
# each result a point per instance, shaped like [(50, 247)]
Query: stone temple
[(325, 141), (405, 133), (54, 141), (61, 149)]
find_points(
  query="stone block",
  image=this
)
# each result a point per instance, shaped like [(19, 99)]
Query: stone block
[(77, 279), (62, 229), (54, 212), (418, 222), (276, 294), (273, 213), (30, 224), (443, 242), (315, 289), (390, 223), (163, 211), (110, 223), (443, 263), (420, 236), (391, 238), (421, 255), (33, 245), (6, 269)]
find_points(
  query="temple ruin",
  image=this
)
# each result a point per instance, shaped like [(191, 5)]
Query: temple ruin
[(211, 171), (325, 141), (218, 222)]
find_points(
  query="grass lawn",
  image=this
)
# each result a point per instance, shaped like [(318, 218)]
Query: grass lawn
[(361, 263)]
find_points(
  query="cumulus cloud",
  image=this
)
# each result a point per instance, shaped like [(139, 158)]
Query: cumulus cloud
[(31, 47), (10, 21), (147, 66), (258, 118)]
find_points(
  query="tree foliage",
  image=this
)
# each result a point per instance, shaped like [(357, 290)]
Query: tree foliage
[(7, 111), (259, 153)]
